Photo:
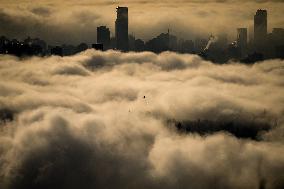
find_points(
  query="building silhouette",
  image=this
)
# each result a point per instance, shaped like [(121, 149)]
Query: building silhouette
[(277, 39), (103, 37), (131, 42), (185, 46), (160, 43), (217, 48), (121, 29), (57, 50), (81, 47), (68, 50), (172, 42), (28, 47), (98, 46), (278, 36), (139, 45), (242, 40), (260, 29)]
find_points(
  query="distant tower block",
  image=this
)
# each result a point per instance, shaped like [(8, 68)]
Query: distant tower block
[(242, 40), (260, 28), (103, 36), (121, 29)]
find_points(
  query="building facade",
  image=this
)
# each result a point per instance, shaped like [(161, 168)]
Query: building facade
[(103, 36), (121, 29), (260, 28), (242, 40)]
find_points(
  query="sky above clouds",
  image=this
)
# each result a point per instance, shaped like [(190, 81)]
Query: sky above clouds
[(76, 21)]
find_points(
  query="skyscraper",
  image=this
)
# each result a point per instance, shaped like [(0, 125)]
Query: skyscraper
[(103, 37), (278, 35), (242, 40), (121, 29), (260, 28)]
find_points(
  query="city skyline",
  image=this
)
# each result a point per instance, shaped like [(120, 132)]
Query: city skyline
[(54, 20), (217, 48)]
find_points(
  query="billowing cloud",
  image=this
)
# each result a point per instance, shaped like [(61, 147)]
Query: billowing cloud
[(104, 120)]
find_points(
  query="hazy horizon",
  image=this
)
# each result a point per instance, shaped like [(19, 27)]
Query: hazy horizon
[(72, 22)]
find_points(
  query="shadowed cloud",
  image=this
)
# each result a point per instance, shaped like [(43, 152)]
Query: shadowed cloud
[(101, 120)]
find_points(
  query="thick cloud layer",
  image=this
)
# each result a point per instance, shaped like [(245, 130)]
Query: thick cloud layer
[(105, 120)]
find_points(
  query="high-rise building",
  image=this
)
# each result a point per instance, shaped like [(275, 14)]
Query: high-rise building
[(121, 29), (277, 39), (242, 40), (260, 28), (278, 35), (103, 36)]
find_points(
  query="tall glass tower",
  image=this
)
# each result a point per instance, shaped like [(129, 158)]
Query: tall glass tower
[(121, 29), (260, 27)]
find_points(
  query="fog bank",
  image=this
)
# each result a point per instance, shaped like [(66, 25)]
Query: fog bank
[(106, 120)]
